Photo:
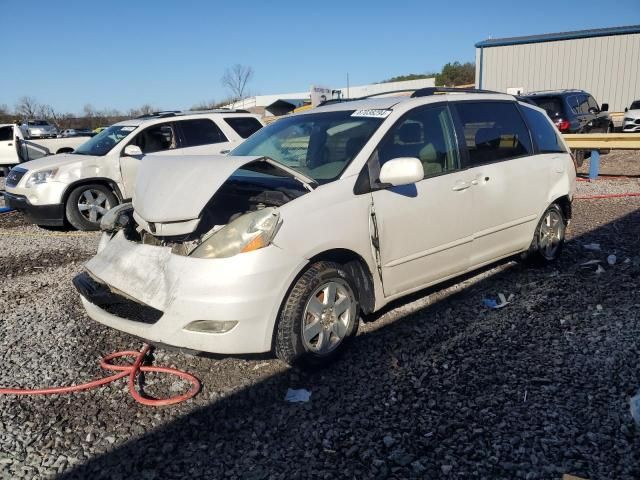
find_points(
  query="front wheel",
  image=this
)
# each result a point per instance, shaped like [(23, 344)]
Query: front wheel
[(319, 316), (87, 204), (548, 239)]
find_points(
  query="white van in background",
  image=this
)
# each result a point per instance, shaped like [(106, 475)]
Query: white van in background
[(81, 186)]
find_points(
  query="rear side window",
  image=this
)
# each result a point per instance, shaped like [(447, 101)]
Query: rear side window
[(244, 126), (6, 133), (552, 105), (493, 131), (543, 132), (200, 131)]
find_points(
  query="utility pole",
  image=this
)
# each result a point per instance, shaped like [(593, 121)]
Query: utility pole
[(348, 96)]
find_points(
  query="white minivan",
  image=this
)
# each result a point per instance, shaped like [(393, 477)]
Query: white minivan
[(79, 187), (326, 215)]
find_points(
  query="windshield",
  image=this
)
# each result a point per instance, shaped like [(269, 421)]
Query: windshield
[(38, 123), (635, 105), (103, 142), (318, 145)]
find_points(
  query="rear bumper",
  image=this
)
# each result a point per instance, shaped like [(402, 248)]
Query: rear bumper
[(50, 215)]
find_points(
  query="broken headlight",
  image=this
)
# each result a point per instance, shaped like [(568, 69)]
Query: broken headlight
[(116, 218), (249, 232)]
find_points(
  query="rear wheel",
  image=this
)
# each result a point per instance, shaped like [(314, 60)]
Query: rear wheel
[(319, 317), (579, 156), (87, 204), (548, 239)]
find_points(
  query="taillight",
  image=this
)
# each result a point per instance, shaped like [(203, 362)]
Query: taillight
[(563, 125)]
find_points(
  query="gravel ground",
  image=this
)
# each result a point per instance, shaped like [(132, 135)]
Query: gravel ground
[(437, 386)]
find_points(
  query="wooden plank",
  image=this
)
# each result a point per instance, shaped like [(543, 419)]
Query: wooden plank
[(601, 141)]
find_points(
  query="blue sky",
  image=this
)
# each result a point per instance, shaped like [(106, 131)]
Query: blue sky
[(121, 54)]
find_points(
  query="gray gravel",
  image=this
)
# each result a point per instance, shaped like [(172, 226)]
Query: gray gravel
[(435, 387)]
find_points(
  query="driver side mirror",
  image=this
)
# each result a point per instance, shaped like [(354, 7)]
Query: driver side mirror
[(604, 107), (401, 171), (132, 151)]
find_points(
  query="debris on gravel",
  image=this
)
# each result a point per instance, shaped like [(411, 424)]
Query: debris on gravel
[(435, 386)]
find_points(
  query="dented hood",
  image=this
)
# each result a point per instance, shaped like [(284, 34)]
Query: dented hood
[(177, 188)]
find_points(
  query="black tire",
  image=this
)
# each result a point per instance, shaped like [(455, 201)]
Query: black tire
[(290, 346), (85, 221), (539, 253), (579, 156)]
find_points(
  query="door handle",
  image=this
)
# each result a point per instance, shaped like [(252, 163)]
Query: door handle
[(474, 182), (458, 187), (9, 144)]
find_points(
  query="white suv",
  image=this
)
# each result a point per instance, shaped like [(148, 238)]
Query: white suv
[(81, 186), (326, 215)]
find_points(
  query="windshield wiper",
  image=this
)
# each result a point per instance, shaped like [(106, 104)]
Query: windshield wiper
[(308, 182)]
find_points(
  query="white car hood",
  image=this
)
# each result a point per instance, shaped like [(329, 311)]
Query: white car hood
[(177, 188), (56, 161)]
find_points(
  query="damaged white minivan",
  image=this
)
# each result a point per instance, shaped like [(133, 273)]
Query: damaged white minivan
[(324, 216)]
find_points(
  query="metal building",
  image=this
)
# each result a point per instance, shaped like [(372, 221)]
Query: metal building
[(605, 62)]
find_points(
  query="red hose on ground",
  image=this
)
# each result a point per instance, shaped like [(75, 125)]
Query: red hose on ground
[(132, 371), (609, 195)]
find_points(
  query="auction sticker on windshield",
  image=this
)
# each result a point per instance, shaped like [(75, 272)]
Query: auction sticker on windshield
[(375, 113)]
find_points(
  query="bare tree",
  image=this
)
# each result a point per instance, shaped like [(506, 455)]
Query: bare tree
[(27, 107), (236, 79)]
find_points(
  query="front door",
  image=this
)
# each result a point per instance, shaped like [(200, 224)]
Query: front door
[(8, 152), (425, 229)]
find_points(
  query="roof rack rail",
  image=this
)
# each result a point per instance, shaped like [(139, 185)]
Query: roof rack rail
[(161, 114), (354, 99), (425, 92), (557, 90)]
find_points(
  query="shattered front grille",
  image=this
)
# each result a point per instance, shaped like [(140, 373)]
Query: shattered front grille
[(15, 175), (118, 305)]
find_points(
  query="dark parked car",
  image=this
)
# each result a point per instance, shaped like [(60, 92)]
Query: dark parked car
[(573, 111)]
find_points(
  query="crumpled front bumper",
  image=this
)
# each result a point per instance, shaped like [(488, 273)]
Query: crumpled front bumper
[(247, 288)]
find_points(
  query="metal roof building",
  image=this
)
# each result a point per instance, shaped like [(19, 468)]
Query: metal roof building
[(604, 61)]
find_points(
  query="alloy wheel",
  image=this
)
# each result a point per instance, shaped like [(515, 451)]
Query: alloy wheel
[(328, 316), (93, 204)]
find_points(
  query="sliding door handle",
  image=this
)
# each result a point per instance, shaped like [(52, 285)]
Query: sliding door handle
[(458, 187)]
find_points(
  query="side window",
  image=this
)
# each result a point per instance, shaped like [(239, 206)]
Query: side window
[(244, 126), (592, 102), (583, 104), (424, 133), (6, 133), (574, 103), (156, 138), (545, 135), (493, 131), (200, 131)]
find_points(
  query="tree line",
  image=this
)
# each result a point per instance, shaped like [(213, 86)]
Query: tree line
[(235, 79), (29, 108), (452, 74)]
